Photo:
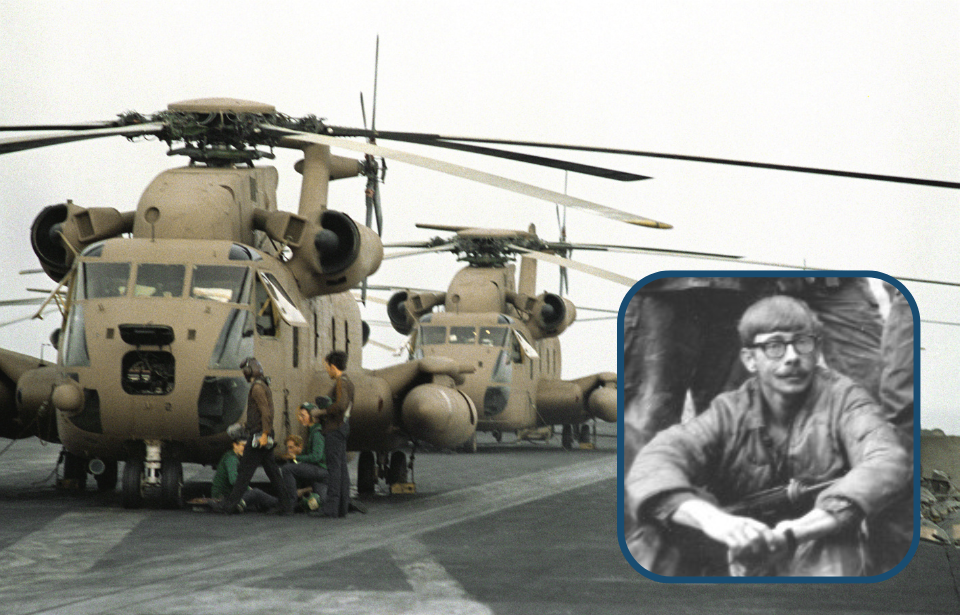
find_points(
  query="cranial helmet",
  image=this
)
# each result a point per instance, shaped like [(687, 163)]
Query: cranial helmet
[(251, 368)]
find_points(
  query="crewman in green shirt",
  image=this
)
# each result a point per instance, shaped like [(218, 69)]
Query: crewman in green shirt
[(309, 468), (226, 476)]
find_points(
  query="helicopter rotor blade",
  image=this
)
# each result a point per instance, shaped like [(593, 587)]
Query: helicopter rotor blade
[(373, 299), (17, 144), (436, 139), (46, 310), (294, 138), (27, 301), (638, 249), (565, 262), (39, 127), (441, 248), (378, 210), (565, 165)]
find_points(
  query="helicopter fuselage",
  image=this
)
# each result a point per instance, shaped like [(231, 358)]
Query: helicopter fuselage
[(155, 333), (507, 364)]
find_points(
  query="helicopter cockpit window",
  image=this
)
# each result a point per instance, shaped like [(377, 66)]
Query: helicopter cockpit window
[(493, 336), (159, 280), (462, 335), (103, 280), (432, 334), (221, 283)]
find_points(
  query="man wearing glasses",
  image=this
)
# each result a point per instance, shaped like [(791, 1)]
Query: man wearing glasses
[(794, 422)]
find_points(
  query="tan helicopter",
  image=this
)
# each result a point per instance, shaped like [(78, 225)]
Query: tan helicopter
[(161, 304), (506, 332)]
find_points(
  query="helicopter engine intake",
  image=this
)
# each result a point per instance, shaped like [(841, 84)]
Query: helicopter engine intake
[(405, 309), (550, 315), (78, 226), (339, 256)]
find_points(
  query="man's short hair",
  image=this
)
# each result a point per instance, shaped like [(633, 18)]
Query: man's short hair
[(777, 313), (297, 440), (338, 359)]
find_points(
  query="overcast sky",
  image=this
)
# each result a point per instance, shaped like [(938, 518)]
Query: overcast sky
[(863, 86)]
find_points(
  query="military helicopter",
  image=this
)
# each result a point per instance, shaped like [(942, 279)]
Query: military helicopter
[(161, 304), (155, 324)]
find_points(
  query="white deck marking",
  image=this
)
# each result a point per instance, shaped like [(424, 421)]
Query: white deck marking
[(70, 545), (433, 592), (210, 579)]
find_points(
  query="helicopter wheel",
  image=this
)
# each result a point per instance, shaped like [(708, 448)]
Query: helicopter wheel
[(107, 480), (74, 472), (397, 471), (566, 437), (470, 446), (497, 435), (366, 473), (132, 485), (171, 484), (584, 437)]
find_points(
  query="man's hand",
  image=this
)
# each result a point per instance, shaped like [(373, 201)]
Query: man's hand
[(751, 545), (264, 437), (740, 534)]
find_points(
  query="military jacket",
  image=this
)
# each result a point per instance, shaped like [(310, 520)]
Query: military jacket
[(726, 452)]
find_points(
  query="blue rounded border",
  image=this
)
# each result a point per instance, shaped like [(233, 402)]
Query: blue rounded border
[(621, 471)]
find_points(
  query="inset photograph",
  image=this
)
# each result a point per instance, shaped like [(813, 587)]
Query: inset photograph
[(768, 427)]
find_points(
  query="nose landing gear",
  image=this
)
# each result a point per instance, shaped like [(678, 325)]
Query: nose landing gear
[(154, 476)]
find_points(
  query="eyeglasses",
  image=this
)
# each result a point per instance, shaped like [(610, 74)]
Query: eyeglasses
[(775, 349)]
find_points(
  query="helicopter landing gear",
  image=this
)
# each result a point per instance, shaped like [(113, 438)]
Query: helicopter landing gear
[(397, 470), (470, 446), (131, 494), (366, 473), (150, 477), (566, 437), (586, 437), (497, 435), (171, 484), (106, 477), (74, 472)]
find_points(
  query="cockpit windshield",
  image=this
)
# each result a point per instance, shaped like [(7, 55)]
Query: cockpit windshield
[(222, 283), (462, 335), (493, 336), (432, 334), (159, 280), (103, 280)]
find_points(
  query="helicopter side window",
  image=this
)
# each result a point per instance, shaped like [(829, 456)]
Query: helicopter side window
[(103, 280), (159, 280), (462, 335), (221, 283), (493, 336), (433, 334), (75, 339), (235, 342), (266, 313)]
